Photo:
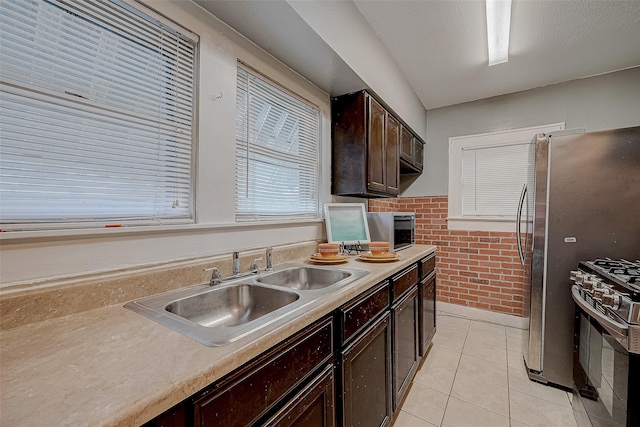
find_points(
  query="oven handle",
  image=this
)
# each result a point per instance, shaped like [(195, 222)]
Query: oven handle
[(617, 330)]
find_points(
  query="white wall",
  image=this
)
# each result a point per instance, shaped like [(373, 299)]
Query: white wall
[(32, 256), (347, 32), (597, 103)]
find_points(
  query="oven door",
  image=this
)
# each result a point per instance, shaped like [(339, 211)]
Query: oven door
[(600, 370)]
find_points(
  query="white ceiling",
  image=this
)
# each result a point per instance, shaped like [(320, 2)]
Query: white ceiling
[(440, 45)]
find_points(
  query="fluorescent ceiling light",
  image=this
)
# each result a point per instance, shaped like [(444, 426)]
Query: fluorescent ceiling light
[(498, 26)]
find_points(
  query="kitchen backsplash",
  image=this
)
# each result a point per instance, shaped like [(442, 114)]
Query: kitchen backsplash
[(478, 269)]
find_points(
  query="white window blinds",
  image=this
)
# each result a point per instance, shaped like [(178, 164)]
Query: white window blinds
[(96, 113), (493, 178), (277, 152)]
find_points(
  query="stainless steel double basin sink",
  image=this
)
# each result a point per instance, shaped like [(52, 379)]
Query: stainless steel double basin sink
[(221, 314)]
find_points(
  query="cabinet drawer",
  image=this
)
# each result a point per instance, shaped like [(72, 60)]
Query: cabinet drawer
[(357, 314), (427, 265), (404, 280), (249, 393)]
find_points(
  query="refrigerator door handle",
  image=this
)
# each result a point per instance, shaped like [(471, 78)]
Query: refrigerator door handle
[(518, 221)]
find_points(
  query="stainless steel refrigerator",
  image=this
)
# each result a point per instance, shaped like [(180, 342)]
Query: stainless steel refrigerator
[(585, 191)]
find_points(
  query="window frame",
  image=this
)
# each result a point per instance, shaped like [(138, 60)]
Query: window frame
[(286, 218), (95, 224), (455, 219)]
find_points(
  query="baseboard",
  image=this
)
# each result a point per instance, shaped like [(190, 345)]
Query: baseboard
[(483, 315)]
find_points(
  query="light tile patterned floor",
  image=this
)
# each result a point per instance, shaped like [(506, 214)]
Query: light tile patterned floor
[(474, 376)]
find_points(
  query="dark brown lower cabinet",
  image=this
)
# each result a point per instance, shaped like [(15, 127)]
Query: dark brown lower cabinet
[(404, 315), (313, 406), (366, 377), (427, 311), (248, 395)]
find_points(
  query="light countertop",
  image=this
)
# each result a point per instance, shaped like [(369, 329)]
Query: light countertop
[(111, 366)]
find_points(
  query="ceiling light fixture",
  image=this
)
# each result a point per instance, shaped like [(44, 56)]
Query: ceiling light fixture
[(498, 26)]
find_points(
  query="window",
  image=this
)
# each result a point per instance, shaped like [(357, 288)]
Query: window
[(277, 152), (486, 176), (96, 114)]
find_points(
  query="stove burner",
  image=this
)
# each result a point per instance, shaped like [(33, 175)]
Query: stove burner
[(622, 271), (608, 263)]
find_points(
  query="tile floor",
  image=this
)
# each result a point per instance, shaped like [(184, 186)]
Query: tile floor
[(474, 376)]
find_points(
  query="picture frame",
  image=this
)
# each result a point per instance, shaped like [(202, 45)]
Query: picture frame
[(346, 223)]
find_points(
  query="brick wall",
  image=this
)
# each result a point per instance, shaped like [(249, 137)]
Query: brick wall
[(478, 269)]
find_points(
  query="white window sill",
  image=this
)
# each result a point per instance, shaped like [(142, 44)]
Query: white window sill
[(483, 224), (10, 237)]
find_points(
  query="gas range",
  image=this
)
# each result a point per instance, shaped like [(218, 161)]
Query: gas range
[(612, 289), (606, 363)]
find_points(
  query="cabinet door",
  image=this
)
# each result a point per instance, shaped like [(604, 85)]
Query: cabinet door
[(392, 160), (406, 145), (376, 147), (405, 344), (418, 154), (366, 377), (313, 406), (427, 311)]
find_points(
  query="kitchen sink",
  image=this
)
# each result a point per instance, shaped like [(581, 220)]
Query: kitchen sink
[(232, 305), (221, 314), (306, 278)]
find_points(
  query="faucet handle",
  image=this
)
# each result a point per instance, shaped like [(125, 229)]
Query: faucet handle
[(254, 265), (269, 260), (215, 275)]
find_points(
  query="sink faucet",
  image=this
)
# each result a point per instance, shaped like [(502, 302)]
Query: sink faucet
[(269, 261), (216, 277)]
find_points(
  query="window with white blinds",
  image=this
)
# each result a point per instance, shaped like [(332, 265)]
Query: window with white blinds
[(96, 114), (493, 178), (486, 175), (277, 152)]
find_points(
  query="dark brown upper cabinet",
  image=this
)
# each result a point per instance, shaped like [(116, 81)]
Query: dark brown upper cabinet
[(366, 147)]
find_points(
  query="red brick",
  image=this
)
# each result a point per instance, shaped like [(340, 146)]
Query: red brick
[(469, 274), (460, 244), (478, 292), (469, 250), (479, 245), (503, 247), (502, 258), (490, 240)]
